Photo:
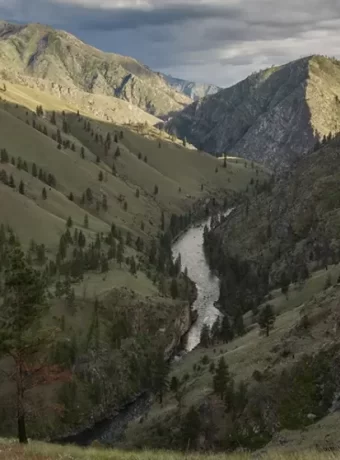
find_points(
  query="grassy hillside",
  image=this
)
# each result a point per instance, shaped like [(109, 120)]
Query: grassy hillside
[(120, 185), (67, 62), (41, 451)]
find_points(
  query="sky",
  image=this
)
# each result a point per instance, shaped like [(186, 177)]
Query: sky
[(213, 41)]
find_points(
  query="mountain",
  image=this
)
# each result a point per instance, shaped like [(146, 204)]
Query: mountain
[(92, 203), (271, 117), (191, 89), (278, 250), (40, 51)]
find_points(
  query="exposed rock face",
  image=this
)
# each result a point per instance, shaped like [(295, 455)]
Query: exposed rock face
[(191, 89), (43, 52), (271, 117)]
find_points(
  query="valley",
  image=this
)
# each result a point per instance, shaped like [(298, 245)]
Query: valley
[(169, 255)]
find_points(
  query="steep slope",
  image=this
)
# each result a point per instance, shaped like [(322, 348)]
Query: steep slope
[(191, 89), (281, 388), (55, 55), (62, 175), (271, 117)]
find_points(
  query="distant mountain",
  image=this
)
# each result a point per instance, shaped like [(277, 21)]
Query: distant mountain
[(271, 117), (191, 89), (40, 51)]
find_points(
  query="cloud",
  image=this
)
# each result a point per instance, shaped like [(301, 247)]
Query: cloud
[(218, 41)]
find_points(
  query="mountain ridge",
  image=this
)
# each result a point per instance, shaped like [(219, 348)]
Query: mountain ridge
[(271, 116), (190, 88), (43, 52)]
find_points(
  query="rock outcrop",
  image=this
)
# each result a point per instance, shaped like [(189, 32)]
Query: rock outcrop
[(271, 117)]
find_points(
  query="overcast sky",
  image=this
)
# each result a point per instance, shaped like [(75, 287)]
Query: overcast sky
[(217, 41)]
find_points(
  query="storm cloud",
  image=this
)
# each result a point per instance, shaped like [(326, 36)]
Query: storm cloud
[(218, 41)]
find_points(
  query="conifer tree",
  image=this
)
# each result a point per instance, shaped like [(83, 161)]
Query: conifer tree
[(44, 194), (205, 336), (22, 337), (190, 429), (221, 379), (160, 372), (82, 152), (22, 188), (69, 222), (174, 288), (267, 319), (100, 176), (11, 182)]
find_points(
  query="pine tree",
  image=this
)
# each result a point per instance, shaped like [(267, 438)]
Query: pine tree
[(117, 154), (205, 336), (226, 332), (120, 254), (104, 203), (100, 176), (133, 266), (190, 429), (267, 319), (137, 192), (44, 194), (69, 222), (160, 373), (155, 191), (22, 188), (71, 197), (82, 152), (11, 182), (21, 335), (34, 170), (174, 288), (221, 379), (53, 118), (162, 221), (4, 157), (238, 324)]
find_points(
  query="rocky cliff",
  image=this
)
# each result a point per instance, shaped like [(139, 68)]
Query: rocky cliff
[(271, 117), (191, 89), (40, 51)]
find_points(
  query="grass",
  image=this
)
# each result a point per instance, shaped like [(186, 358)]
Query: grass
[(40, 451)]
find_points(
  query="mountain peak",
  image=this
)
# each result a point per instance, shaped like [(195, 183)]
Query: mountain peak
[(272, 116)]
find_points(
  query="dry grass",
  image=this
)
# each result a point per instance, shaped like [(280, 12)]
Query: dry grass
[(40, 451)]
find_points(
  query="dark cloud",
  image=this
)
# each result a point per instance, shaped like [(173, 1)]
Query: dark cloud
[(212, 40)]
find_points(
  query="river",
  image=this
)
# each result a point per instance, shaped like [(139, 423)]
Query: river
[(190, 247)]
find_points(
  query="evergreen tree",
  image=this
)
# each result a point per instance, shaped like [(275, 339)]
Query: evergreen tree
[(155, 192), (205, 336), (120, 254), (226, 332), (21, 335), (238, 324), (22, 188), (174, 288), (44, 194), (162, 221), (71, 197), (53, 118), (82, 152), (190, 429), (133, 266), (4, 157), (267, 319), (34, 170), (86, 221), (117, 154), (137, 192), (11, 182), (104, 203), (69, 222), (100, 176), (160, 373), (174, 384), (221, 379)]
